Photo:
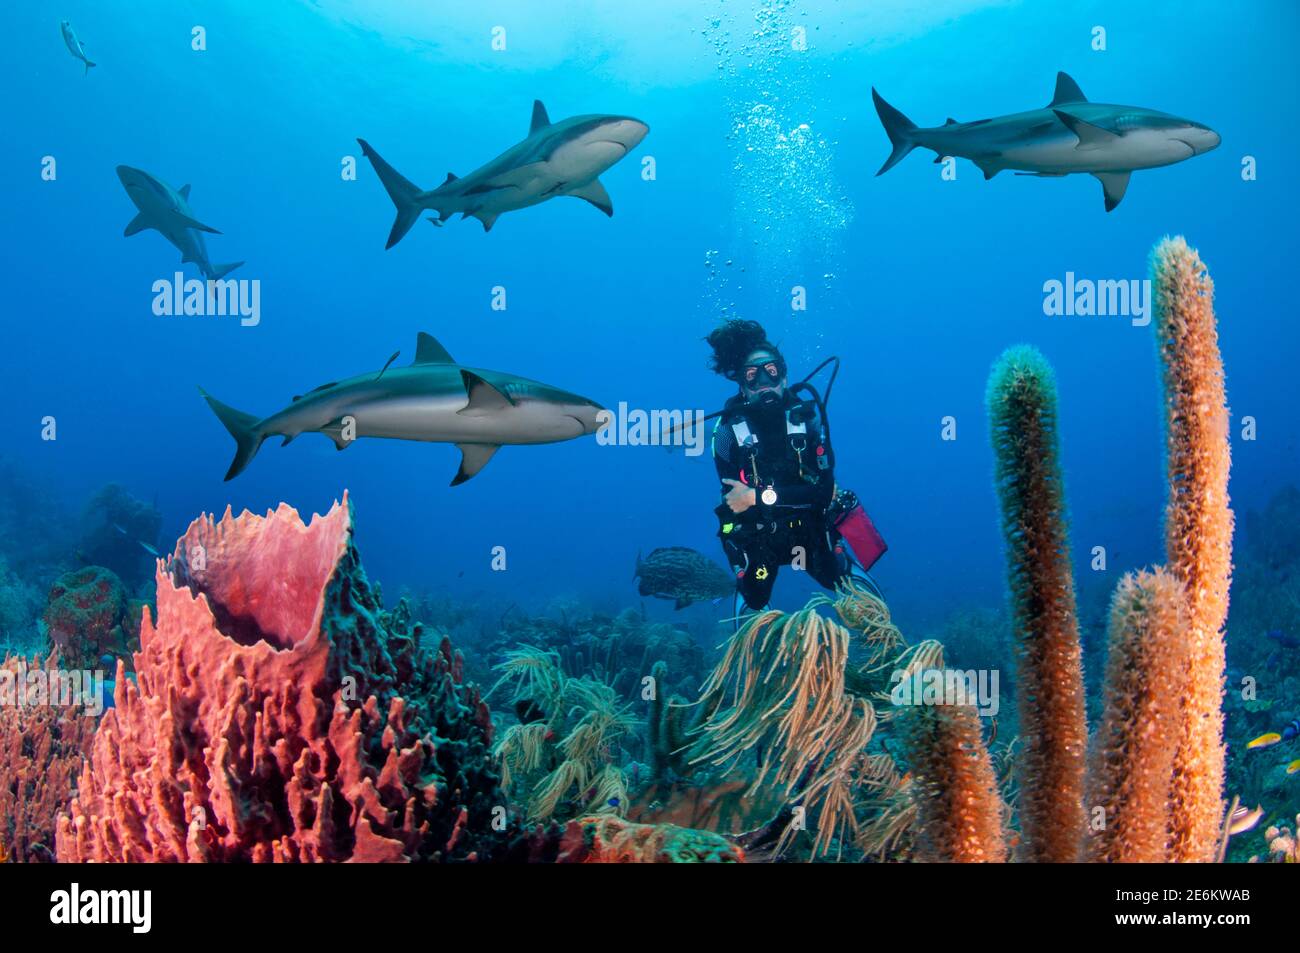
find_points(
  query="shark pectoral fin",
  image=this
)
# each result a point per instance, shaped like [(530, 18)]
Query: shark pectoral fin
[(185, 191), (484, 399), (474, 457), (1113, 186), (194, 223), (188, 258), (429, 351), (1090, 136), (595, 193), (136, 225), (540, 119)]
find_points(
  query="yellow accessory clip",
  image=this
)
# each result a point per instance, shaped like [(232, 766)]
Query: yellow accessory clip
[(761, 573), (727, 528)]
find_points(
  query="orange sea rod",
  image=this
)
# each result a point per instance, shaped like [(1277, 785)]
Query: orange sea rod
[(1198, 531), (1133, 751), (960, 811), (1022, 414)]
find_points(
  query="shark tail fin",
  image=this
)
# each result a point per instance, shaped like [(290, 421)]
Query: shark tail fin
[(220, 271), (402, 191), (243, 427), (89, 64), (899, 129)]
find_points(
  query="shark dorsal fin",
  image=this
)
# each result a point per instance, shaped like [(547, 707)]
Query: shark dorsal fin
[(429, 351), (451, 177), (950, 122), (1067, 91), (540, 119), (484, 398), (185, 191)]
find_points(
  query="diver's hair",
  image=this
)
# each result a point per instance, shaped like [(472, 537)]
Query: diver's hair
[(735, 340)]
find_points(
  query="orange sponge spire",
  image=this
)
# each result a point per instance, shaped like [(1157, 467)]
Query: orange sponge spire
[(1198, 531), (1133, 753)]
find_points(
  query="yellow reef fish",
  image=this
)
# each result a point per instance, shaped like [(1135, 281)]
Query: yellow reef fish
[(1265, 741)]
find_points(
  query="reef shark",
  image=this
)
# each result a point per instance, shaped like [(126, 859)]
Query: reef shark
[(1071, 135), (434, 399), (75, 46), (561, 158), (167, 211)]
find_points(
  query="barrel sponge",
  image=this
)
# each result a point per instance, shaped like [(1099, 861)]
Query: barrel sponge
[(1021, 402), (1198, 530), (959, 810), (1133, 750)]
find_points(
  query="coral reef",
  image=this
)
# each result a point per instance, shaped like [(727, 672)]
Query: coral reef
[(606, 839), (1022, 413), (1283, 846), (562, 758), (1198, 530), (619, 650), (960, 812), (1133, 757), (120, 533), (88, 616), (282, 715), (41, 754), (786, 691)]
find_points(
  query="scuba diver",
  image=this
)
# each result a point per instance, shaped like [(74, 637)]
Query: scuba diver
[(772, 448)]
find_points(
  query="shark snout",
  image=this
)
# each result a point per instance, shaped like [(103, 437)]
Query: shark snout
[(626, 131), (1203, 138), (586, 415)]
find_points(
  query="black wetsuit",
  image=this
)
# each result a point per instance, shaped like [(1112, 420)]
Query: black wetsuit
[(762, 446)]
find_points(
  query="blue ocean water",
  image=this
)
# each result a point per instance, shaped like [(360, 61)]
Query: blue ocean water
[(763, 160)]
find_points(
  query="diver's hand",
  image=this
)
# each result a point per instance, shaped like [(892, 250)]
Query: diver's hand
[(740, 497)]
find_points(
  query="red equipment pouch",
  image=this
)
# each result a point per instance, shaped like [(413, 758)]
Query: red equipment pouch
[(862, 536)]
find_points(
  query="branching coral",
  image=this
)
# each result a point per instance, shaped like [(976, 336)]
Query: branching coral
[(1198, 530), (1022, 413), (1133, 754), (587, 719), (787, 690)]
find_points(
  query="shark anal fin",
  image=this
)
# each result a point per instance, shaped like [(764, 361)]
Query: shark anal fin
[(487, 218), (185, 191), (484, 399), (1067, 91), (1113, 186), (135, 226), (1090, 136), (988, 166), (429, 351), (595, 193), (473, 458), (540, 120)]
